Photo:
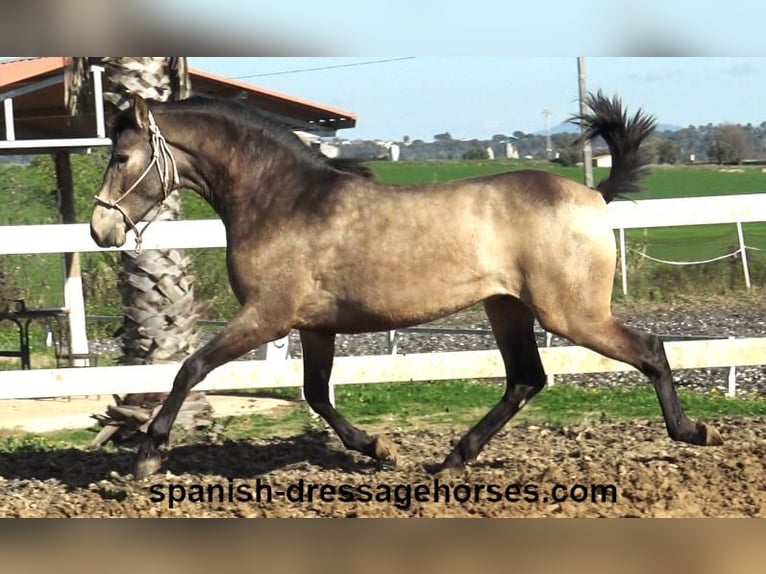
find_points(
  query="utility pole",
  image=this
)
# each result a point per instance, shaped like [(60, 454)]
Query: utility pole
[(587, 152), (548, 146)]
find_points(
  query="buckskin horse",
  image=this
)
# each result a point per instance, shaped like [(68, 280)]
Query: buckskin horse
[(305, 251)]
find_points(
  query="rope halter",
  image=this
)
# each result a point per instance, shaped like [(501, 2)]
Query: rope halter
[(163, 159)]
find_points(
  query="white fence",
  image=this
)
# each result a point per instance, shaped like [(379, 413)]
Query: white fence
[(734, 209), (367, 369), (433, 366)]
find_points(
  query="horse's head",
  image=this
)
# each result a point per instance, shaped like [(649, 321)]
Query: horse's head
[(140, 175)]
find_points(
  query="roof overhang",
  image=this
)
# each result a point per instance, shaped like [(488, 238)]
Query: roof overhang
[(297, 113), (36, 87)]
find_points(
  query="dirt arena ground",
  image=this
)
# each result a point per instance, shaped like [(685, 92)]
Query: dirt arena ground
[(622, 469), (616, 469), (45, 415)]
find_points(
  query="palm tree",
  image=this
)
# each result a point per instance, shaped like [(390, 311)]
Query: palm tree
[(7, 288), (157, 288)]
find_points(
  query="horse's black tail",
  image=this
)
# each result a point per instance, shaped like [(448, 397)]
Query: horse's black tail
[(623, 136)]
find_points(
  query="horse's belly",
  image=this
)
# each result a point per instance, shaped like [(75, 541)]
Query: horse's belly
[(418, 274), (373, 307)]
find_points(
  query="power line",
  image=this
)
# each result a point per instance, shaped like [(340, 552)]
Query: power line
[(317, 69)]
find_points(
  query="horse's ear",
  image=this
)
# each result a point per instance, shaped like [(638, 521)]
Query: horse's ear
[(139, 112)]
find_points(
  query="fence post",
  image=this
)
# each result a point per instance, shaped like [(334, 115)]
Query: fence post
[(393, 342), (98, 95), (623, 262), (10, 133), (279, 349), (743, 254)]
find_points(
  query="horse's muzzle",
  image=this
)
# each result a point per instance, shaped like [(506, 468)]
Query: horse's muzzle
[(107, 227)]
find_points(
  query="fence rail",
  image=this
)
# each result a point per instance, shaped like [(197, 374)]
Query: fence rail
[(206, 233), (365, 369)]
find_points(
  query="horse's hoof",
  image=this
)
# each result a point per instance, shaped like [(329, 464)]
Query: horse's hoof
[(712, 436), (384, 450), (147, 463)]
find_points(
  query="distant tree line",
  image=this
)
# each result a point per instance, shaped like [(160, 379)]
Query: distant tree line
[(727, 143)]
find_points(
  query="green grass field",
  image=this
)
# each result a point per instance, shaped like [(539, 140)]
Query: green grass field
[(437, 405), (662, 182)]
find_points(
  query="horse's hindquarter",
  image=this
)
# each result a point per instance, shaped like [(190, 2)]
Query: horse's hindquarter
[(386, 257)]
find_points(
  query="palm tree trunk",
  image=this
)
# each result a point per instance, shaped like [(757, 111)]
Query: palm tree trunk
[(157, 288)]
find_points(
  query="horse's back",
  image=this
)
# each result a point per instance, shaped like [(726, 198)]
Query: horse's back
[(543, 189)]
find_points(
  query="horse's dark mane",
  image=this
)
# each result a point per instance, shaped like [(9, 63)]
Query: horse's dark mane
[(249, 119)]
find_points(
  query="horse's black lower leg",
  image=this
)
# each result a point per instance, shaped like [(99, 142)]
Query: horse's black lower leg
[(646, 352), (512, 324), (239, 336), (318, 353), (653, 362)]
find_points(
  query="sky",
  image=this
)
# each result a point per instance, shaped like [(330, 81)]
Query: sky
[(473, 69), (479, 96)]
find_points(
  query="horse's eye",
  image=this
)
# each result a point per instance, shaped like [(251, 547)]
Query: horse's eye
[(121, 157)]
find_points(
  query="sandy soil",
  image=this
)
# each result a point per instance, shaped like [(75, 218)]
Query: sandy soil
[(43, 415), (651, 476)]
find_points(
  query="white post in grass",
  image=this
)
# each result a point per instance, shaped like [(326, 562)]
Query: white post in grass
[(393, 342), (743, 254), (623, 262)]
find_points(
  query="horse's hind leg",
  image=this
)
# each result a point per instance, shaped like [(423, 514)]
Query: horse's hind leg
[(513, 326), (318, 353), (570, 293), (645, 352)]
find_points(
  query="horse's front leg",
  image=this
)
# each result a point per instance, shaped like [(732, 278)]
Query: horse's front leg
[(318, 353), (243, 333)]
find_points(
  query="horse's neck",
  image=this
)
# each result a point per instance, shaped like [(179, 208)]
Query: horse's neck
[(204, 161), (233, 177)]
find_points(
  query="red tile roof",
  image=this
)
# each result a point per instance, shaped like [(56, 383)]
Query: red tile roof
[(17, 72), (24, 69)]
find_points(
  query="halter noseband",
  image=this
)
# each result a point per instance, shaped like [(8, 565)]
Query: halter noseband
[(163, 158)]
